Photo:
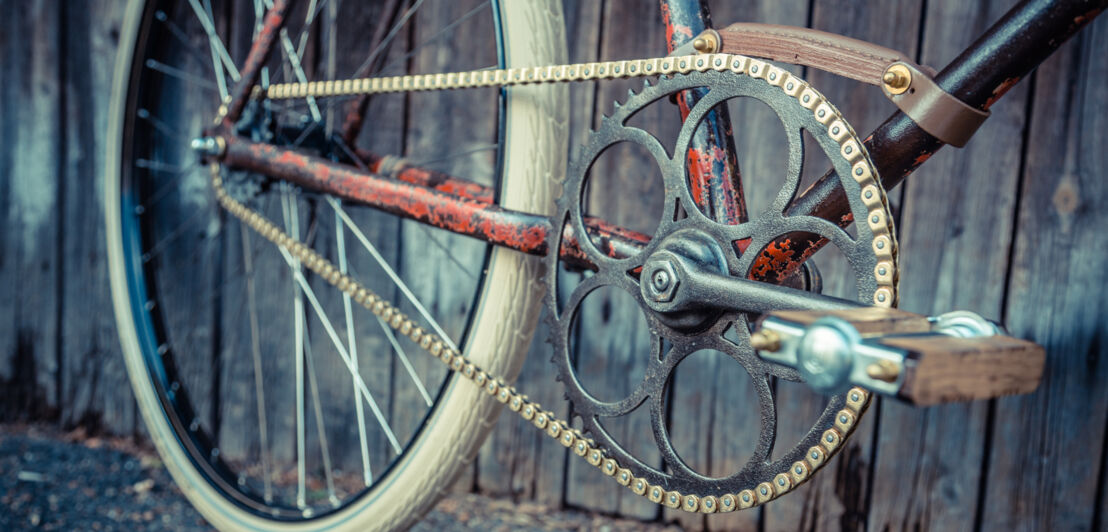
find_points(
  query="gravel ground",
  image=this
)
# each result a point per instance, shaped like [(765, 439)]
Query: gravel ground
[(52, 480)]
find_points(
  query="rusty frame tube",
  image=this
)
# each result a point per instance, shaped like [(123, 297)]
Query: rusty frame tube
[(255, 59), (469, 216), (1017, 43), (715, 181), (399, 168)]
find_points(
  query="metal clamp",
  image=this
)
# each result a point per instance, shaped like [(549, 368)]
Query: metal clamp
[(938, 112)]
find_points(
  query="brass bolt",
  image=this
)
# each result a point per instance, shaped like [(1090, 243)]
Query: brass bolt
[(897, 78), (706, 43), (764, 340), (883, 370)]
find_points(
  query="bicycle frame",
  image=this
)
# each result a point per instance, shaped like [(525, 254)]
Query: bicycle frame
[(1017, 43)]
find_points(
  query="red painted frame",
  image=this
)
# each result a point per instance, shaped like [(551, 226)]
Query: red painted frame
[(1017, 43)]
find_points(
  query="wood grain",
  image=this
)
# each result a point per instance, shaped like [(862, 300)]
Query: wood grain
[(947, 265), (1043, 467), (867, 321), (948, 369), (32, 155)]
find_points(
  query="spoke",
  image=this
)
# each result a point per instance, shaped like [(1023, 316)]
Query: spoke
[(313, 11), (159, 247), (161, 126), (256, 353), (363, 69), (298, 70), (392, 274), (161, 166), (450, 256), (218, 49), (180, 35), (321, 429), (404, 360), (292, 226), (180, 74), (220, 79), (352, 345), (455, 155), (437, 35), (259, 19), (332, 54), (168, 186), (307, 290), (304, 134)]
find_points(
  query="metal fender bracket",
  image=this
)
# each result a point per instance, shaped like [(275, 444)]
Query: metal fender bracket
[(936, 111), (958, 356)]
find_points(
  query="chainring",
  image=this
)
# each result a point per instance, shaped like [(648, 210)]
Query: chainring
[(871, 256)]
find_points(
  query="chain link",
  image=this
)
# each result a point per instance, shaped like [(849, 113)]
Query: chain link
[(873, 196)]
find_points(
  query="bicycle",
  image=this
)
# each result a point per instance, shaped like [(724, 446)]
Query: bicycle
[(152, 202)]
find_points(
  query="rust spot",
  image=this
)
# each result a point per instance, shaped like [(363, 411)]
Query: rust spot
[(920, 159), (999, 91), (464, 215)]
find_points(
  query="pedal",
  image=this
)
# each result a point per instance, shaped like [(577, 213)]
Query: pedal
[(954, 357)]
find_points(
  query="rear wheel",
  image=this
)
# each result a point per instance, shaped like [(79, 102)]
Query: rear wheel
[(241, 372)]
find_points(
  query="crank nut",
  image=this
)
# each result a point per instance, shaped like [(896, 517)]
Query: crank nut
[(660, 280)]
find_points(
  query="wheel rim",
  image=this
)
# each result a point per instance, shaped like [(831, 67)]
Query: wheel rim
[(152, 330)]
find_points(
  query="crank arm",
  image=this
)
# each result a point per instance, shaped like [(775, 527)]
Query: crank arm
[(689, 276), (953, 357), (837, 343)]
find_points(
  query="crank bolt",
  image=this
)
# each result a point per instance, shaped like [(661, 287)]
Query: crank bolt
[(661, 280)]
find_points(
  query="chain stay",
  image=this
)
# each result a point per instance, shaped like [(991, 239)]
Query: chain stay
[(873, 196)]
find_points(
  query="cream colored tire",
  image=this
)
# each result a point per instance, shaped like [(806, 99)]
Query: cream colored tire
[(502, 326)]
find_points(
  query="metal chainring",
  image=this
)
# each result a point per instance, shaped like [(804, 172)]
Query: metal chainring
[(871, 256)]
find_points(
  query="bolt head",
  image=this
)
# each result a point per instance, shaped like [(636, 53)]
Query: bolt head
[(660, 280), (897, 78), (663, 280)]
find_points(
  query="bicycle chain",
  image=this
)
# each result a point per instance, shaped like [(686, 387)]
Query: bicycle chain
[(873, 196)]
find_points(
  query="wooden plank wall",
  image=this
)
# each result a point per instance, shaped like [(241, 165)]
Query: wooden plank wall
[(1013, 227)]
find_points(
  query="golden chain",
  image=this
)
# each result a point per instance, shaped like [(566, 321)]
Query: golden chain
[(873, 196)]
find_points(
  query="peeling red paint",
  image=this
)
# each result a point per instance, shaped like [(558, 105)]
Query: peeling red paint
[(469, 216), (442, 182), (259, 52), (782, 258), (920, 159)]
